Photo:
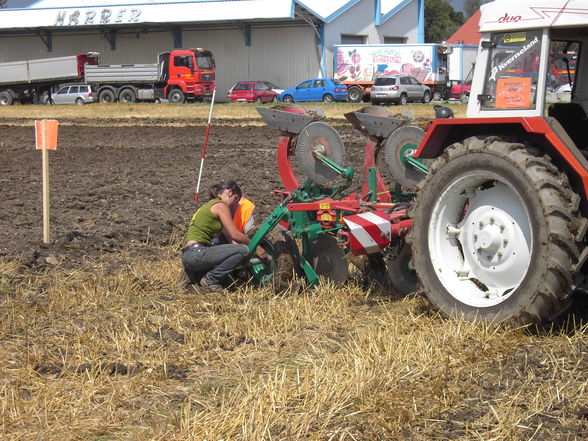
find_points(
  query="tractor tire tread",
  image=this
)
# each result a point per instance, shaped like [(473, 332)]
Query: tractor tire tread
[(563, 245)]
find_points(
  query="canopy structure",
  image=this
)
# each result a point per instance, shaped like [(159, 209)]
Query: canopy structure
[(50, 14)]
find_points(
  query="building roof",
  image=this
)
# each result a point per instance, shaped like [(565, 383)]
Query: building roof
[(468, 33), (78, 13)]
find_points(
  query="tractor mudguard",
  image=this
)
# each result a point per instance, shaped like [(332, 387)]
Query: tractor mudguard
[(541, 132)]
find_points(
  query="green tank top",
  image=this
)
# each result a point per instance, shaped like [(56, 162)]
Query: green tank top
[(204, 225)]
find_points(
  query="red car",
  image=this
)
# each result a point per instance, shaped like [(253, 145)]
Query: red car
[(252, 92), (461, 91)]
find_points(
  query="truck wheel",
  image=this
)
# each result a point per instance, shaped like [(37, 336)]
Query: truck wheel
[(176, 96), (437, 96), (106, 96), (5, 98), (464, 97), (354, 94), (426, 97), (494, 235), (127, 96)]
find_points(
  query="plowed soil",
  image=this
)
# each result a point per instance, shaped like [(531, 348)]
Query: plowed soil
[(112, 186)]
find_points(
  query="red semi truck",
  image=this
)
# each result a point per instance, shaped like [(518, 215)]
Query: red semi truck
[(178, 76)]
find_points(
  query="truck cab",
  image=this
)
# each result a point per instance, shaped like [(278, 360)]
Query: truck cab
[(189, 74)]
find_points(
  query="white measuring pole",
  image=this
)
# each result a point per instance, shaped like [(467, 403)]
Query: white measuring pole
[(204, 146)]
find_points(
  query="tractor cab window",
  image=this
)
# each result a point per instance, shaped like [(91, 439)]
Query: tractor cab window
[(511, 78), (563, 57)]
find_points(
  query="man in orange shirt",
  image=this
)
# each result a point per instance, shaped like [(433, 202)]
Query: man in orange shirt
[(243, 216)]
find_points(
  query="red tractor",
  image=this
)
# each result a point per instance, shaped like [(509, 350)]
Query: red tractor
[(501, 218), (499, 215)]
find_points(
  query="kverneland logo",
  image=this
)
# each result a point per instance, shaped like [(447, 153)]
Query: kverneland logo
[(509, 18)]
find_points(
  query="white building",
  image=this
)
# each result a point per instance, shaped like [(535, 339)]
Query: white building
[(282, 41)]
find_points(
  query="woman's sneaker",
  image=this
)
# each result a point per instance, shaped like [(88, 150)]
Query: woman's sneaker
[(211, 286)]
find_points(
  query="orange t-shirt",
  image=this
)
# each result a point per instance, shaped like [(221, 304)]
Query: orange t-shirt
[(243, 213)]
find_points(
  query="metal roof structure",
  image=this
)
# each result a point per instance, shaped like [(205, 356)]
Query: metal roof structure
[(53, 14)]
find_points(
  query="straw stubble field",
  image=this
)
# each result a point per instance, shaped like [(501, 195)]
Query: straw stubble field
[(97, 343)]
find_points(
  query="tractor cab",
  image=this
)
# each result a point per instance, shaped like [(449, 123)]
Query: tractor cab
[(528, 62)]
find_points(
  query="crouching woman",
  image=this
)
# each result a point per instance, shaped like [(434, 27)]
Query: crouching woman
[(210, 265)]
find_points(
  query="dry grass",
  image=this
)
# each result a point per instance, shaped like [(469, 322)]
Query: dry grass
[(127, 114), (113, 351)]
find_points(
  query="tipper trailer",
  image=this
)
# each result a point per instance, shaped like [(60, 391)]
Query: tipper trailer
[(31, 81), (178, 76)]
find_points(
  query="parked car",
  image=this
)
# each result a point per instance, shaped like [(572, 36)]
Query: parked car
[(461, 91), (399, 89), (253, 91), (76, 94), (320, 89)]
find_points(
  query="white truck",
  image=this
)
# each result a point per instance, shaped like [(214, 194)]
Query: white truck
[(435, 65), (30, 81)]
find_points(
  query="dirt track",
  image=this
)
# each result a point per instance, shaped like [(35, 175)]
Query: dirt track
[(112, 186)]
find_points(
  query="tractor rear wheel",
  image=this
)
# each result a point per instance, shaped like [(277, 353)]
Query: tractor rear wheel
[(495, 235)]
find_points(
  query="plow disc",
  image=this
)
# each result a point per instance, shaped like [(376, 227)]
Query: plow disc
[(402, 144), (283, 269), (322, 138), (328, 259), (401, 276)]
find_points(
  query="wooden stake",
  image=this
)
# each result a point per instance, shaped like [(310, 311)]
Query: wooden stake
[(45, 155)]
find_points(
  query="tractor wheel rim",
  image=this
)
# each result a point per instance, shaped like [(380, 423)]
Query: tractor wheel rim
[(480, 239)]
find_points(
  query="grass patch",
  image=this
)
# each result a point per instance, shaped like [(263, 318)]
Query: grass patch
[(95, 354), (128, 114)]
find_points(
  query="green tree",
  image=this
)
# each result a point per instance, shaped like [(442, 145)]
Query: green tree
[(471, 7), (441, 21)]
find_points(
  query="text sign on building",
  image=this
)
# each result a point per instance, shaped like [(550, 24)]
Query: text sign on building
[(97, 16)]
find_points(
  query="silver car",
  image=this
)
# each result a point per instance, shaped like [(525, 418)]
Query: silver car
[(399, 89), (79, 94)]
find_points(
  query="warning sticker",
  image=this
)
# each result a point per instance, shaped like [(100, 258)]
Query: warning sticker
[(513, 93)]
